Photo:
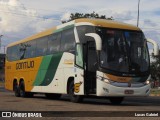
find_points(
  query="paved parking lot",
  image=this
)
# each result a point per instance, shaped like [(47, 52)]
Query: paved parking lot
[(8, 102)]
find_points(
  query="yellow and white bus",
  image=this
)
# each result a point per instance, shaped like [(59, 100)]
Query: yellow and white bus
[(84, 57)]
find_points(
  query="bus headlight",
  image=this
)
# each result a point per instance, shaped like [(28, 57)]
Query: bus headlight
[(106, 80), (147, 82)]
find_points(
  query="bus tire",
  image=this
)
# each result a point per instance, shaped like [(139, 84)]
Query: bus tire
[(74, 98), (116, 100), (22, 90), (52, 96), (16, 89)]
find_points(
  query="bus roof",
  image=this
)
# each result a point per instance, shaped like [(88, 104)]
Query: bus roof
[(82, 21), (109, 24)]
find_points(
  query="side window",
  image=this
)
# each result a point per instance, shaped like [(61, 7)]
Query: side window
[(82, 30), (54, 43), (8, 56), (68, 40), (31, 49), (8, 53), (42, 45), (23, 50), (13, 53), (79, 55)]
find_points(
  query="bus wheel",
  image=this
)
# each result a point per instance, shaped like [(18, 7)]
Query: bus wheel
[(52, 96), (116, 100), (16, 89), (22, 90), (74, 98)]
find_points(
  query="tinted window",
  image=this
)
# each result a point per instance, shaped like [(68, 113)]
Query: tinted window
[(68, 40), (79, 55), (8, 53), (82, 30), (54, 43), (42, 45), (23, 47), (31, 49), (13, 53)]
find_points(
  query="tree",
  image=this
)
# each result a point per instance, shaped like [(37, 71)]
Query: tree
[(74, 16), (155, 68)]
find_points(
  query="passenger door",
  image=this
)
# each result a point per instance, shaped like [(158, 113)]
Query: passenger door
[(85, 68), (79, 70), (91, 67)]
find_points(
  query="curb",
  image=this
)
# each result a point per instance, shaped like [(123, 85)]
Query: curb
[(154, 95)]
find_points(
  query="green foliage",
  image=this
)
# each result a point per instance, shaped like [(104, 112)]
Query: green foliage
[(155, 67), (74, 16)]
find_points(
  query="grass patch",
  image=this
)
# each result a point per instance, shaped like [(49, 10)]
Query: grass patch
[(155, 91)]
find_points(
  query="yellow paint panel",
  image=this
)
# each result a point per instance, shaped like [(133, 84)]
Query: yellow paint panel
[(12, 71), (117, 78)]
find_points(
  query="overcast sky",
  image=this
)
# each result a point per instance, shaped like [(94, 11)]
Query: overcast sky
[(22, 18)]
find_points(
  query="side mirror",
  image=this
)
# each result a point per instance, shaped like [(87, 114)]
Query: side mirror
[(155, 47), (97, 39)]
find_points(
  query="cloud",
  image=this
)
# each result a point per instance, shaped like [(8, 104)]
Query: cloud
[(22, 18), (149, 23), (117, 14), (9, 2), (18, 22), (66, 16)]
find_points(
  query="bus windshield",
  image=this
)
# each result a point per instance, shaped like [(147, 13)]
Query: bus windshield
[(123, 51)]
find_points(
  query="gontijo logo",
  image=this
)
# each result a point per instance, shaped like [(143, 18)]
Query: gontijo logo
[(24, 65)]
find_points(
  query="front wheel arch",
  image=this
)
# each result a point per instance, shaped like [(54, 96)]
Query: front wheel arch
[(70, 79)]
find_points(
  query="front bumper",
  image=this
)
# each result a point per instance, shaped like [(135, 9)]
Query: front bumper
[(105, 89)]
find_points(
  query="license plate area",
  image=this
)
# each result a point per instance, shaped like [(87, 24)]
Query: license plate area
[(129, 92)]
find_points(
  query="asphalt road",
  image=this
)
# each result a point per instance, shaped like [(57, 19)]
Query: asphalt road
[(8, 102)]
